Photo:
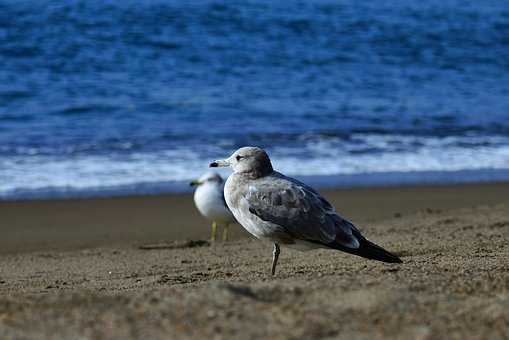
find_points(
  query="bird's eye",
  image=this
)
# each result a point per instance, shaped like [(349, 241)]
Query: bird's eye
[(238, 158)]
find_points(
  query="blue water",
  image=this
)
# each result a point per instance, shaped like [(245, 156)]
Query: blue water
[(101, 95)]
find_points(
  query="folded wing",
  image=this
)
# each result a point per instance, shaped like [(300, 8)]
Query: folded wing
[(300, 211)]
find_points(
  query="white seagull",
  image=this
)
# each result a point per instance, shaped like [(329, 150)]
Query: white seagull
[(209, 199), (274, 207)]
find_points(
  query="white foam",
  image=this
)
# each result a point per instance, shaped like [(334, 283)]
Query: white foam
[(333, 157), (86, 172)]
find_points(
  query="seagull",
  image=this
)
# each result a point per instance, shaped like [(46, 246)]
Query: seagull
[(209, 199), (284, 211)]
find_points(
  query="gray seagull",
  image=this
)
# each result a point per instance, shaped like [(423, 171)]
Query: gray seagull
[(274, 207)]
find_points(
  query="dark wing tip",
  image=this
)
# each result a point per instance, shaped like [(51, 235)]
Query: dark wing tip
[(368, 250), (371, 251)]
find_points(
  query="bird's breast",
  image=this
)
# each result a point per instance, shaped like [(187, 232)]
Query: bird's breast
[(235, 190), (210, 203)]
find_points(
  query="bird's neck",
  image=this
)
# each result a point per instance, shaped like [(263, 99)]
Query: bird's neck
[(257, 173)]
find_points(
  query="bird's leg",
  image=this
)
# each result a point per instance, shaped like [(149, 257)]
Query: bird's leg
[(214, 231), (275, 256), (225, 232)]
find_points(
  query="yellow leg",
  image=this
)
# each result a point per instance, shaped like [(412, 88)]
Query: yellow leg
[(225, 232), (214, 231)]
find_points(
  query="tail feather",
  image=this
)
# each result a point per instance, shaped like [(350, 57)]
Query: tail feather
[(369, 250)]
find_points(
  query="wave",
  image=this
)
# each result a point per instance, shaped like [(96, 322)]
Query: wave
[(378, 155)]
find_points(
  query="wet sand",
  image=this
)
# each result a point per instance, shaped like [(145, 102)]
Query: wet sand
[(119, 268)]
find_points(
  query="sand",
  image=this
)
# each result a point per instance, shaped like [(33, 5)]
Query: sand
[(119, 268)]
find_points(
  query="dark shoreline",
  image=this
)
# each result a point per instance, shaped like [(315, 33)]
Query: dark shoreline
[(64, 224)]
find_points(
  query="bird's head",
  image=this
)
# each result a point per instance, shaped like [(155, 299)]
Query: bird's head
[(209, 177), (248, 160)]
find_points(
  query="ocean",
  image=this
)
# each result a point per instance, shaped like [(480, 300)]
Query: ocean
[(103, 97)]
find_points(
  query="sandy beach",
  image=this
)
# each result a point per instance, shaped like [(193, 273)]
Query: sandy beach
[(134, 267)]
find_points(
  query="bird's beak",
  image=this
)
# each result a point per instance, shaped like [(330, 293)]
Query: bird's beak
[(195, 183), (220, 163)]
